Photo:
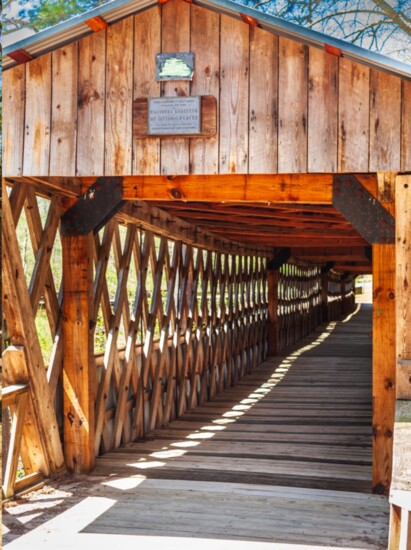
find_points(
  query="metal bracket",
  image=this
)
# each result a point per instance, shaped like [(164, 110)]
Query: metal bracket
[(95, 208), (365, 213)]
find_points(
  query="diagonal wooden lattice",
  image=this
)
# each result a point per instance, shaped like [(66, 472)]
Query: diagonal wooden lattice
[(174, 324)]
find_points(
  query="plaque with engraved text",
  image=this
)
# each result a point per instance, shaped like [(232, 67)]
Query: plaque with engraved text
[(174, 115)]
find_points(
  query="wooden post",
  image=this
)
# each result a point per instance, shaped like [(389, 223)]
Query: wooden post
[(79, 393), (383, 390), (272, 326), (400, 530), (324, 297)]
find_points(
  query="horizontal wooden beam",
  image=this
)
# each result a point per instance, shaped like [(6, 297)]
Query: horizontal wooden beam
[(162, 223)]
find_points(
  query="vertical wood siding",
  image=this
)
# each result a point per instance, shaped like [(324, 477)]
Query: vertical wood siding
[(282, 107)]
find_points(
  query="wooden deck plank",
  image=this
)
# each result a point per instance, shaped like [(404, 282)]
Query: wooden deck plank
[(281, 460)]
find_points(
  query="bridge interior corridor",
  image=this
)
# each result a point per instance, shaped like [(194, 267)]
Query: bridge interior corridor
[(282, 460)]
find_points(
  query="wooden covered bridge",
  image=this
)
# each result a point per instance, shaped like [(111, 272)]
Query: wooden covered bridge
[(199, 189)]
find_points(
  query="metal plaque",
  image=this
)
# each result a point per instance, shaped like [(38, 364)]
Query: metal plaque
[(174, 115), (174, 66)]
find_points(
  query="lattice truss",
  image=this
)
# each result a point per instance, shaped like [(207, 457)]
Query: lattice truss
[(173, 324)]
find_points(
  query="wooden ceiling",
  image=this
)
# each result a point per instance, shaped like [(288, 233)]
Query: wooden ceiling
[(317, 233)]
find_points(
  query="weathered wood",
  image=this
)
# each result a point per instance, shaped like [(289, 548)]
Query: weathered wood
[(175, 38), (383, 364), (37, 119), (91, 105), (263, 109), (204, 37), (63, 138), (322, 111), (147, 43), (406, 126), (13, 120), (119, 96), (292, 106), (353, 116), (22, 330), (78, 347), (273, 321), (385, 122), (17, 401), (234, 74)]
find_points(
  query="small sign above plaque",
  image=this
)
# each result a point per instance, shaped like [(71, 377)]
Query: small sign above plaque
[(174, 115), (174, 66)]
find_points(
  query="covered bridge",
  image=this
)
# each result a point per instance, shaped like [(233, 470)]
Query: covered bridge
[(199, 236)]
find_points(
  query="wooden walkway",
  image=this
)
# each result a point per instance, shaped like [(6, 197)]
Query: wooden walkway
[(283, 460)]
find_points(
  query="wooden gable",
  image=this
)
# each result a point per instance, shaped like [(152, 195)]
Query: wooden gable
[(282, 107)]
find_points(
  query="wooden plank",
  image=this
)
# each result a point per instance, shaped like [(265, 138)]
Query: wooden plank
[(406, 126), (385, 122), (234, 74), (353, 116), (78, 347), (37, 117), (383, 258), (175, 38), (64, 111), (205, 28), (147, 43), (403, 275), (119, 97), (263, 109), (322, 111), (13, 120), (292, 106), (22, 330), (91, 105)]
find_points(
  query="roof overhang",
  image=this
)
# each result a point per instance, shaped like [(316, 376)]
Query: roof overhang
[(75, 28)]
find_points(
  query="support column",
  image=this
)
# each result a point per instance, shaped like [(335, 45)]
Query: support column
[(78, 379), (383, 385), (273, 324), (400, 493)]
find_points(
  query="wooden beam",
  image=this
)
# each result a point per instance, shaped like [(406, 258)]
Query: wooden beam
[(383, 364), (94, 209), (79, 398), (162, 223), (20, 322)]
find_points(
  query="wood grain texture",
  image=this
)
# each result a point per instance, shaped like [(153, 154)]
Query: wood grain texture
[(292, 105), (383, 364), (263, 110), (406, 126), (78, 391), (119, 98), (385, 121), (322, 111), (22, 330), (403, 276), (64, 111), (353, 117), (91, 105), (13, 120), (234, 93), (147, 43), (175, 37), (37, 117), (205, 44)]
